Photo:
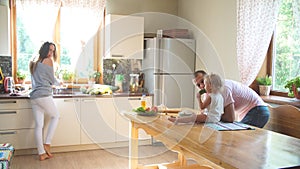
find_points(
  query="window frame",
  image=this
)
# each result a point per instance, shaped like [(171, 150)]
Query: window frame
[(269, 66)]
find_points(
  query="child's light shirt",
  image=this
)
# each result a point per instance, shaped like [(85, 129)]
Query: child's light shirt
[(215, 108)]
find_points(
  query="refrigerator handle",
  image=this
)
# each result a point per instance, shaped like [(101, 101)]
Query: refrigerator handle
[(158, 78), (157, 47)]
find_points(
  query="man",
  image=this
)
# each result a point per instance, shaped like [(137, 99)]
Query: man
[(240, 100)]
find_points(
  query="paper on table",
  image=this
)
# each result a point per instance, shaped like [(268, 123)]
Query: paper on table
[(221, 126)]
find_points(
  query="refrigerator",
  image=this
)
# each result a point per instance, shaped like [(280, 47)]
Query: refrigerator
[(168, 68)]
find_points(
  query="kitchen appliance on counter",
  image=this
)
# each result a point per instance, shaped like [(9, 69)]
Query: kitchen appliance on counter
[(169, 66), (9, 84)]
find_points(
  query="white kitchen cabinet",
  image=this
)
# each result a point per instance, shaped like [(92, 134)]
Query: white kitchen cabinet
[(17, 123), (122, 123), (19, 138), (68, 128), (124, 37), (97, 121), (86, 120)]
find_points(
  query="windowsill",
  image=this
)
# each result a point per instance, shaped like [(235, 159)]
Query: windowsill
[(281, 100)]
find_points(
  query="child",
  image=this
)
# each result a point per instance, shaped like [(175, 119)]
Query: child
[(213, 102)]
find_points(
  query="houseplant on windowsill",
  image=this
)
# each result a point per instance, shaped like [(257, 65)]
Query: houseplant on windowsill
[(264, 84), (20, 77), (294, 87), (67, 75), (95, 76)]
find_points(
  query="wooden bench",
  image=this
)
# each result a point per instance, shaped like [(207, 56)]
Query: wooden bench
[(284, 119)]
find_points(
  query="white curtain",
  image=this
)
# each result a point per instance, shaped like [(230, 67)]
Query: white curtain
[(81, 18), (38, 18), (256, 21), (80, 21)]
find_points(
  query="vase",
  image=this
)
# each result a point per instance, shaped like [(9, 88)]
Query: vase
[(20, 81), (264, 90)]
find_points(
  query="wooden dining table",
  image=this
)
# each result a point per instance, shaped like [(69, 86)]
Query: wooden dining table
[(258, 148)]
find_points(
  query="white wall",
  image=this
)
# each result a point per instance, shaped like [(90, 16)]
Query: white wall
[(217, 20), (127, 7), (4, 31), (158, 14)]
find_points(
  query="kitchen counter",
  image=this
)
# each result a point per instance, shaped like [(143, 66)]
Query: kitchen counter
[(77, 94), (89, 121)]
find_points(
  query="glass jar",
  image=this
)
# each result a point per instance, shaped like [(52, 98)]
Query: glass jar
[(134, 82)]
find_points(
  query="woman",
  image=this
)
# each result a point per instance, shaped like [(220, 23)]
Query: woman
[(42, 79)]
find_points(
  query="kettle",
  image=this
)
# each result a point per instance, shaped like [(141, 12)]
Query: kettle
[(8, 84)]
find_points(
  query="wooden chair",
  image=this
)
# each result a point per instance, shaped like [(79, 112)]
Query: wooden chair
[(284, 119)]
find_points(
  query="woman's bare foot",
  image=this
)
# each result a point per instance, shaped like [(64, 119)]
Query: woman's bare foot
[(43, 157), (47, 149)]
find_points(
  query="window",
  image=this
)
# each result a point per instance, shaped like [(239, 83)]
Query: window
[(74, 37), (30, 34), (287, 44)]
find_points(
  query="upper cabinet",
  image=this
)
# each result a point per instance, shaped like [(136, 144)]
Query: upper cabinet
[(124, 37)]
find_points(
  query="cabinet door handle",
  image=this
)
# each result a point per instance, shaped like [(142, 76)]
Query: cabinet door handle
[(89, 100), (8, 101), (8, 112), (70, 100), (134, 98), (8, 132), (117, 56)]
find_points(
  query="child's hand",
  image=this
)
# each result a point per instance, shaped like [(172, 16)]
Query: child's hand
[(202, 91)]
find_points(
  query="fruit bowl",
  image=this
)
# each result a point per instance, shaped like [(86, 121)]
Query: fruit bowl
[(146, 113)]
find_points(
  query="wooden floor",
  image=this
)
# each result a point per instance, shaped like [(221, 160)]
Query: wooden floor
[(116, 158)]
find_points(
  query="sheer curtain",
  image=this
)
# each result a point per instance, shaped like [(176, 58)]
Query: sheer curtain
[(79, 25), (256, 22), (38, 18), (82, 17), (81, 20)]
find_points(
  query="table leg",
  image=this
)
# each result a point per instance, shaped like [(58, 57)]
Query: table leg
[(181, 159), (133, 147)]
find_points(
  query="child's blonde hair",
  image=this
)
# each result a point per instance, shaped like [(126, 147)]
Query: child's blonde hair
[(216, 82)]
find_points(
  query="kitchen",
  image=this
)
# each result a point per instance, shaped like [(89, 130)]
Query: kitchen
[(222, 34)]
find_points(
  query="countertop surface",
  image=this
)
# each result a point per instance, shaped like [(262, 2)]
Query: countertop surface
[(76, 95)]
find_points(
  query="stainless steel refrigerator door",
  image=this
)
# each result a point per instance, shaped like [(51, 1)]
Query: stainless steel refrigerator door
[(178, 91), (168, 66), (177, 55)]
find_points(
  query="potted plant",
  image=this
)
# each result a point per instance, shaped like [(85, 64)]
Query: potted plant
[(67, 75), (21, 76), (95, 76), (294, 87), (264, 84)]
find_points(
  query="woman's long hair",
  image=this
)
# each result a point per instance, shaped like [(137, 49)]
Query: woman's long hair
[(43, 52)]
